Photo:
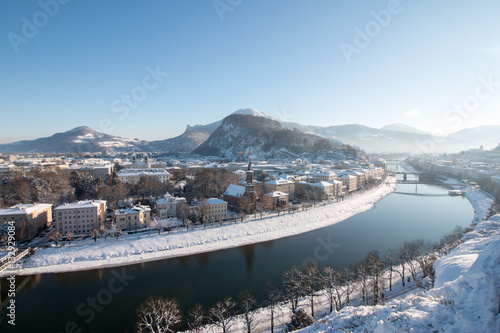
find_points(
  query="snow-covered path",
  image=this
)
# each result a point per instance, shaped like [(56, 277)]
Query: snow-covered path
[(129, 250)]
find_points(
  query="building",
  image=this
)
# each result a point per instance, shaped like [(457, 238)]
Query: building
[(275, 200), (80, 217), (280, 185), (167, 207), (132, 176), (232, 196), (242, 197), (96, 171), (136, 163), (217, 209), (324, 176), (132, 218), (349, 182), (29, 218)]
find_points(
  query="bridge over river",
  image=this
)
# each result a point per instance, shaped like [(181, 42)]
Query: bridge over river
[(418, 178)]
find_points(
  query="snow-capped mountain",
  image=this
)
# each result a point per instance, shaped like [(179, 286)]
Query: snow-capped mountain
[(77, 140)]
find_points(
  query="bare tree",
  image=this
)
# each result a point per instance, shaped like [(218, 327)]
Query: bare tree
[(390, 261), (204, 210), (273, 297), (401, 259), (293, 288), (169, 227), (183, 213), (105, 231), (158, 315), (311, 277), (348, 279), (94, 234), (375, 271), (248, 304), (56, 237), (362, 272), (196, 318), (157, 225), (222, 314), (332, 283), (409, 252), (70, 236), (118, 232)]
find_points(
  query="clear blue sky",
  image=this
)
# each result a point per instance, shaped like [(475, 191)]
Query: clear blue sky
[(282, 57)]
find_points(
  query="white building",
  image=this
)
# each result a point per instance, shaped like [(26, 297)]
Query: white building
[(167, 207), (132, 176), (80, 217)]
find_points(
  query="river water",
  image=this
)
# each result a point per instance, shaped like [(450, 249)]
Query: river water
[(104, 300)]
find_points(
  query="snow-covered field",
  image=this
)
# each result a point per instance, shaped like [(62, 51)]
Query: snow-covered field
[(143, 247), (465, 297)]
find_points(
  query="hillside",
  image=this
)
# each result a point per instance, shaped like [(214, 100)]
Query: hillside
[(266, 137)]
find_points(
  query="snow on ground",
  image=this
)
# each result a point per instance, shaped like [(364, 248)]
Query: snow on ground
[(143, 247), (465, 297)]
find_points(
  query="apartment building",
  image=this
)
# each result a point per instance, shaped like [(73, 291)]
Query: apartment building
[(134, 217), (80, 217)]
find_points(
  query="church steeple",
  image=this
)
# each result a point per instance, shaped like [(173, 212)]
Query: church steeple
[(249, 173)]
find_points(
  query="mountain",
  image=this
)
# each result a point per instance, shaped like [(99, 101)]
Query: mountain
[(78, 140), (393, 138), (397, 127), (195, 135), (403, 139), (267, 138)]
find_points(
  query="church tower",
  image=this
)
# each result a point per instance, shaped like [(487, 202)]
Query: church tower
[(250, 189)]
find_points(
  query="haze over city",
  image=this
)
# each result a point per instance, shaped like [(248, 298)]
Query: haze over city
[(430, 65)]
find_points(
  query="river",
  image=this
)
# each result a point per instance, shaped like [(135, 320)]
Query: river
[(62, 302)]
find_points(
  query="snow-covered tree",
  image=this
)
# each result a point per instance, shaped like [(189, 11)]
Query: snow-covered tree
[(274, 297), (222, 314), (248, 304), (158, 315), (196, 318)]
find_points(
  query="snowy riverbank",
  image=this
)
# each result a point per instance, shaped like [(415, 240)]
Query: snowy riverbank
[(465, 297), (135, 249)]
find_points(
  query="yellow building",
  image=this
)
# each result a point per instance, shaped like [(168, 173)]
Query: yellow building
[(29, 218), (133, 218)]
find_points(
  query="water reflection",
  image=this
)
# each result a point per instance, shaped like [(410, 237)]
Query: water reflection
[(249, 253), (78, 277)]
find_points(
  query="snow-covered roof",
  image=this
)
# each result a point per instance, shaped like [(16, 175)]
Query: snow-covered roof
[(81, 204), (133, 210), (138, 172), (276, 194), (321, 184), (234, 190), (24, 209), (215, 201), (279, 182)]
